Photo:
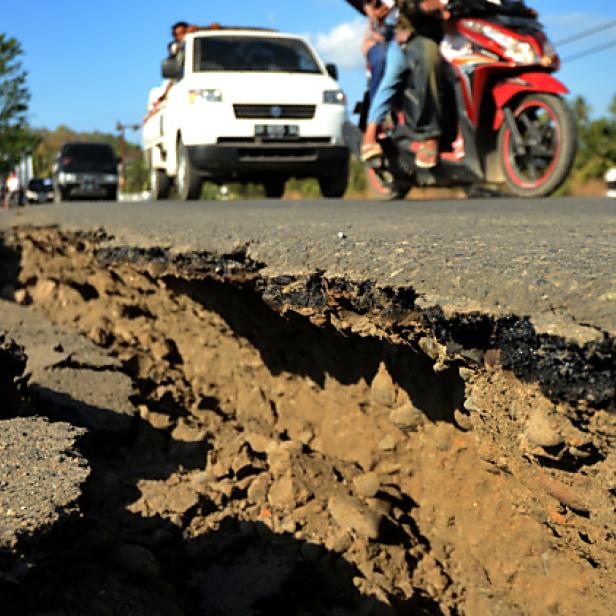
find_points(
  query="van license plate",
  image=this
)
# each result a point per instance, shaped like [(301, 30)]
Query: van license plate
[(276, 131)]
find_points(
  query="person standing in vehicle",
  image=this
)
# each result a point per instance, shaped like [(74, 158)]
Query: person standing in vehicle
[(415, 57), (175, 49), (179, 31)]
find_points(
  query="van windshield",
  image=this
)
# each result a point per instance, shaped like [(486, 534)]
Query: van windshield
[(253, 54)]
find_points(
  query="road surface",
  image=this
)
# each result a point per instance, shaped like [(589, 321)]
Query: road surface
[(554, 260)]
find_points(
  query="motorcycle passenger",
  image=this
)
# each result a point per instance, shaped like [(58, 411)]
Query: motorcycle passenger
[(379, 34), (414, 59)]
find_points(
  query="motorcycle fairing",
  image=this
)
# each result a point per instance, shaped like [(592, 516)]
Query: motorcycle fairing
[(537, 81)]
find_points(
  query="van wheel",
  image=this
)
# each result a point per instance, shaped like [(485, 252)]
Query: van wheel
[(160, 184), (334, 186), (189, 182), (274, 189)]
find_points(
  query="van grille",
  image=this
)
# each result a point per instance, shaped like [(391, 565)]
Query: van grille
[(291, 142), (274, 112), (276, 154)]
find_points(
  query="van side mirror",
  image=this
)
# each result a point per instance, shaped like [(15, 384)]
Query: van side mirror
[(172, 69), (332, 71)]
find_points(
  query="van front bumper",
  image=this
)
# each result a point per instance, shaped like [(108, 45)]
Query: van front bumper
[(248, 160)]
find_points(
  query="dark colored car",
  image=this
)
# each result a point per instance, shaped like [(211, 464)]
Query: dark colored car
[(86, 171), (39, 190)]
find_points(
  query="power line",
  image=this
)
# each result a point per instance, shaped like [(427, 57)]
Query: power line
[(586, 33), (590, 52)]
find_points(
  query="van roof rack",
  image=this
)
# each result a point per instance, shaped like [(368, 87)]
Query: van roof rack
[(216, 26)]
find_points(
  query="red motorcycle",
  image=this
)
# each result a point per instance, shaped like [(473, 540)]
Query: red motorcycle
[(508, 124)]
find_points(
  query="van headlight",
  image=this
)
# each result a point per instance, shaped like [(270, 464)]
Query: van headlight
[(334, 97), (67, 178), (110, 178), (211, 95)]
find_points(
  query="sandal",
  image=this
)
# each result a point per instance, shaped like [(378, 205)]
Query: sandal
[(426, 153), (370, 151)]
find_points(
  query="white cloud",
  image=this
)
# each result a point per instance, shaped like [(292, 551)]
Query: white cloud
[(342, 44)]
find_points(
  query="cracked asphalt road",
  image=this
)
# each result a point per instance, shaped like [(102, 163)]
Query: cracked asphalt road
[(554, 260)]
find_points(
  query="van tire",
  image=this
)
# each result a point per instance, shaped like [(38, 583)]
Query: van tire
[(160, 184), (334, 186), (274, 189), (188, 182)]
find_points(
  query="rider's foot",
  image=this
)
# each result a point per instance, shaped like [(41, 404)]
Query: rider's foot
[(371, 151), (426, 153)]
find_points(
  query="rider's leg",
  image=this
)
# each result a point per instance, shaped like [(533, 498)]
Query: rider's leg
[(380, 105), (425, 64), (377, 57)]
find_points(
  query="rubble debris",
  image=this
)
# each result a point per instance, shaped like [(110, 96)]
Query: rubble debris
[(293, 448)]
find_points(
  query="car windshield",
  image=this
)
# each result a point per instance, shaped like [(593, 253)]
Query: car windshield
[(90, 153), (253, 54), (82, 157), (38, 185)]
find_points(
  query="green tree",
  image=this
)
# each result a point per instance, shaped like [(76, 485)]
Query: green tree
[(16, 139), (597, 141), (137, 175)]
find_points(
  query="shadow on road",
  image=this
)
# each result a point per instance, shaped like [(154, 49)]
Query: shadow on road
[(112, 561), (292, 343)]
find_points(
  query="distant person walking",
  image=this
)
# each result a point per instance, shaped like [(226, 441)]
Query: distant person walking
[(12, 189)]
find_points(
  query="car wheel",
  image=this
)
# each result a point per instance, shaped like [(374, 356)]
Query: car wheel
[(160, 184), (189, 182), (274, 189), (334, 186)]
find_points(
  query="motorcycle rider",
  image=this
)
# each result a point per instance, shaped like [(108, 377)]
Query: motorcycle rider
[(379, 34), (415, 57)]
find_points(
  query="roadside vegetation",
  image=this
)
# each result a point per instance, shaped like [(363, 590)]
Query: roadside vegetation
[(16, 138), (597, 145)]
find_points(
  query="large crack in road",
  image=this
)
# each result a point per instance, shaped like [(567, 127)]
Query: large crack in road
[(311, 445)]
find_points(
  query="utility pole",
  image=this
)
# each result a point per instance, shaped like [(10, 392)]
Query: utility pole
[(122, 128)]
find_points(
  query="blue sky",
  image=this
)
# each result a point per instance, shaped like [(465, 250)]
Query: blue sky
[(93, 63)]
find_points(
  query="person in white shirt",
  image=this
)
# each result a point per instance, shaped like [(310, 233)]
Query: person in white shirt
[(12, 189)]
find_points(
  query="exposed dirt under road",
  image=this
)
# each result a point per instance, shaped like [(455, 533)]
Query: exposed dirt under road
[(317, 446)]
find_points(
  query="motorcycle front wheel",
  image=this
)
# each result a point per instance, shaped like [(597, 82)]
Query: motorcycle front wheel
[(385, 187), (539, 162)]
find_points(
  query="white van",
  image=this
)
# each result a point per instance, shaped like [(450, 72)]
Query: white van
[(246, 105)]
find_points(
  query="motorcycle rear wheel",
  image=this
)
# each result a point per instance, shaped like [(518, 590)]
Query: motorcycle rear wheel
[(549, 143), (385, 187)]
